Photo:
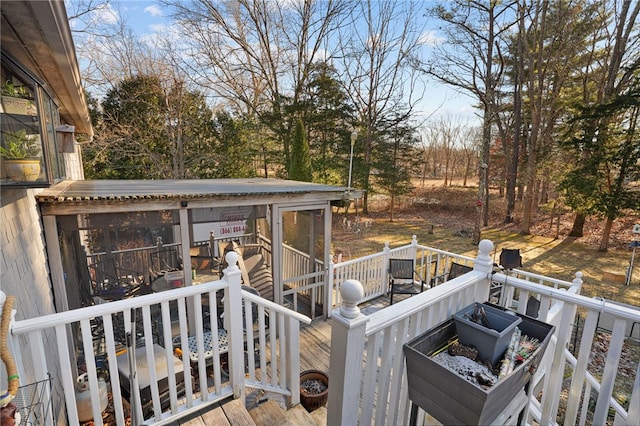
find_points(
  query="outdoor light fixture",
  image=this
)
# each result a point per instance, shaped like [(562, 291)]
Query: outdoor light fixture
[(354, 136)]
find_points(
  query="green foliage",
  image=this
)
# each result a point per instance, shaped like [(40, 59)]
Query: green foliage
[(18, 145), (395, 160), (9, 89), (147, 131), (327, 114), (300, 162), (232, 157), (606, 144)]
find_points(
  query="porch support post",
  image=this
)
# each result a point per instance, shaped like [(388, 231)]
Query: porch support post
[(327, 304), (55, 263), (233, 324), (186, 264), (345, 365)]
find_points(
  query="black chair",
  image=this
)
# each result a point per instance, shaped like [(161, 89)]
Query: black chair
[(510, 258), (403, 278), (455, 270)]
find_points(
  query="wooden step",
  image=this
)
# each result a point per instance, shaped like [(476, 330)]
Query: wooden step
[(230, 412), (237, 414), (320, 416), (268, 413), (298, 416)]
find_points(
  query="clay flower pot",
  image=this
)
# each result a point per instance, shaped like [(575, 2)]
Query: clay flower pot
[(314, 389)]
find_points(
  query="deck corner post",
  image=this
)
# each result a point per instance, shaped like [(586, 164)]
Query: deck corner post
[(345, 365), (483, 261), (577, 283)]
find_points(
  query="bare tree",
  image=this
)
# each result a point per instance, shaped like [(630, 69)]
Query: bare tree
[(257, 54), (472, 62), (374, 56), (550, 86)]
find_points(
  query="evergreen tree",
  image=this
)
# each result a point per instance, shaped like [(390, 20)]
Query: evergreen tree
[(600, 183), (396, 162), (145, 132), (232, 155), (300, 162), (328, 114)]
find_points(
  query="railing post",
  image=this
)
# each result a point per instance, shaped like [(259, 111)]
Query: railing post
[(345, 365), (576, 286), (233, 323), (414, 245), (385, 266), (483, 263), (292, 330)]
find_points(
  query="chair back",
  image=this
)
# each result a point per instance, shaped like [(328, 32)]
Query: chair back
[(401, 268), (458, 269), (510, 258)]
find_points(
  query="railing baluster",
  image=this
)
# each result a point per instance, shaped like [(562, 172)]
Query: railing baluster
[(90, 362), (65, 373), (114, 377), (578, 382), (610, 371)]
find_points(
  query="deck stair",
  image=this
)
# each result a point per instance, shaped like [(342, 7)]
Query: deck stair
[(269, 413)]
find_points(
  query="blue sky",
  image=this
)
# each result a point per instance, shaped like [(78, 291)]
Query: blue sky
[(146, 19)]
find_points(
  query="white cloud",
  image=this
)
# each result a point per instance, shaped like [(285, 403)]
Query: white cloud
[(153, 10), (105, 14), (430, 38)]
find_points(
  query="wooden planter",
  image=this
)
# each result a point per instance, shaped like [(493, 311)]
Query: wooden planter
[(451, 399), (313, 401)]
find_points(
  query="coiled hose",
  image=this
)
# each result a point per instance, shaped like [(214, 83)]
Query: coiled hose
[(5, 354)]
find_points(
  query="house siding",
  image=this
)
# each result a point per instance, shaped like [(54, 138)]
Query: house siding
[(24, 268)]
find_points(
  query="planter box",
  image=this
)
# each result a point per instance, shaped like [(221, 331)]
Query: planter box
[(450, 398), (491, 342), (11, 105)]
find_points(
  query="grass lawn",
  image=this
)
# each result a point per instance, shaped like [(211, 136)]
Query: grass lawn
[(558, 258)]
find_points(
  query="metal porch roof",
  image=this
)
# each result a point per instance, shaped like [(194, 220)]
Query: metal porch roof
[(115, 190)]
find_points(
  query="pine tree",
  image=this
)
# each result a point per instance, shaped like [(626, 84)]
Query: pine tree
[(300, 162)]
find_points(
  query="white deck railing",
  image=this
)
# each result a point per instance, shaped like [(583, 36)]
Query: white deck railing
[(432, 264), (301, 278), (262, 346), (368, 350)]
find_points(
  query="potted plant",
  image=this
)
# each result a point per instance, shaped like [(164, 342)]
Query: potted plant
[(20, 154), (17, 100)]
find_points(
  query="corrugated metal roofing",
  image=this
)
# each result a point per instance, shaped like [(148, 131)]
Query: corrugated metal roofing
[(112, 190)]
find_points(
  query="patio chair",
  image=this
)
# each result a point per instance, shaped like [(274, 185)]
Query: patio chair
[(510, 258), (455, 270), (403, 278)]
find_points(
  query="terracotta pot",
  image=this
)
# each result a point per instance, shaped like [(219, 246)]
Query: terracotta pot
[(313, 401)]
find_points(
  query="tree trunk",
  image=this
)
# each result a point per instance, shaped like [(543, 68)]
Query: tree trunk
[(512, 164), (604, 242), (578, 225)]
